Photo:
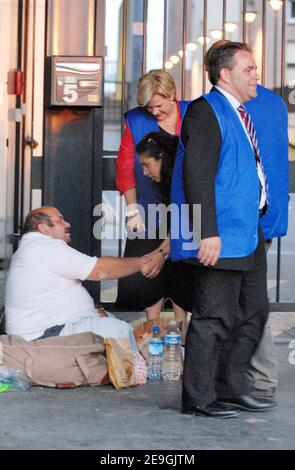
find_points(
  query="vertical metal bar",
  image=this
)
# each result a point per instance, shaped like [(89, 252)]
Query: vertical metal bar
[(46, 49), (124, 56), (283, 49), (183, 70), (223, 18), (23, 64), (204, 45), (99, 11), (17, 165), (123, 101), (244, 19), (283, 41), (145, 8), (275, 49), (47, 14), (263, 41), (165, 33), (94, 27), (278, 270)]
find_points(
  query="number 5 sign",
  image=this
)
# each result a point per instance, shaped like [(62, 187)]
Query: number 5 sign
[(70, 94), (74, 81)]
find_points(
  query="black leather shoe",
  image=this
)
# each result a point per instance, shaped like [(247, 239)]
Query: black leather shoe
[(249, 403), (215, 410)]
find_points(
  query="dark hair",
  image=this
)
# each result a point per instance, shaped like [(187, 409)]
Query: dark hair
[(222, 56), (34, 218), (160, 146)]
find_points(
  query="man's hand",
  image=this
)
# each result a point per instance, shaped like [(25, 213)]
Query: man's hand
[(209, 251), (154, 262)]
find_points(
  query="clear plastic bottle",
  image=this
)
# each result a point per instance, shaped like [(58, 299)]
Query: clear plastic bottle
[(12, 380), (155, 350), (172, 365)]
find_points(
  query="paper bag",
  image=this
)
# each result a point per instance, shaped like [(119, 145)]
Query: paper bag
[(120, 362)]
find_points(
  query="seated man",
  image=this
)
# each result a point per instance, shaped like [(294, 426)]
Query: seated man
[(44, 295)]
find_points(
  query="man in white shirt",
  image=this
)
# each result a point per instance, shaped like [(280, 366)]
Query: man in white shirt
[(44, 291)]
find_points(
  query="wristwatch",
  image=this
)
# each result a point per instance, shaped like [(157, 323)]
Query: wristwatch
[(164, 254)]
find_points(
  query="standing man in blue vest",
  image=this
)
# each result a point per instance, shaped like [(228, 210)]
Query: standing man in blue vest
[(263, 371), (224, 173)]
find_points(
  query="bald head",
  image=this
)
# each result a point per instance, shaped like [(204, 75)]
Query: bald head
[(36, 217), (48, 221)]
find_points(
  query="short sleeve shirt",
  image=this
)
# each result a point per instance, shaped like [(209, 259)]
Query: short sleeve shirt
[(44, 285)]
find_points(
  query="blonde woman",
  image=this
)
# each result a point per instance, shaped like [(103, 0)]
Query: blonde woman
[(158, 110)]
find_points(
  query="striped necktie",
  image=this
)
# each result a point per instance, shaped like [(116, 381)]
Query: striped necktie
[(253, 137)]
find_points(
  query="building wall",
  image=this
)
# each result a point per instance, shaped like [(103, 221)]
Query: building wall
[(8, 61)]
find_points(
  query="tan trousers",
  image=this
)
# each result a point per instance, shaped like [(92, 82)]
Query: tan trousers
[(263, 373)]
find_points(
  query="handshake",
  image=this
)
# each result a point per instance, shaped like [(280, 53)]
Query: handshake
[(152, 263)]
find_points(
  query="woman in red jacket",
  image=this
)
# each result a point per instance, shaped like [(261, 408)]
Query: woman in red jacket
[(158, 110)]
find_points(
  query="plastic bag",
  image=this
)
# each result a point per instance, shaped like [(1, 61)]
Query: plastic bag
[(140, 367), (12, 380)]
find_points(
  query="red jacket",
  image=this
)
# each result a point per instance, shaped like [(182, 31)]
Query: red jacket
[(125, 178)]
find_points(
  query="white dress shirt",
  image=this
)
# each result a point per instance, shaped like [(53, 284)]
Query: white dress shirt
[(235, 104)]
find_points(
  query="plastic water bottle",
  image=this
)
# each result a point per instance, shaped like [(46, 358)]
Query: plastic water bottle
[(155, 350), (172, 365), (12, 380)]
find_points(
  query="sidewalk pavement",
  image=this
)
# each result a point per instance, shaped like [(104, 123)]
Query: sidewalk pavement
[(147, 417)]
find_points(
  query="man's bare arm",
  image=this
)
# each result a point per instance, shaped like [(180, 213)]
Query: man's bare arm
[(109, 267)]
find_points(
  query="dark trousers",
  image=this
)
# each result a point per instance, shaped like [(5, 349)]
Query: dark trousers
[(229, 313)]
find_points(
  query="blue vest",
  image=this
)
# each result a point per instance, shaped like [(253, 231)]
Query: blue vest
[(140, 123), (270, 117), (236, 183)]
